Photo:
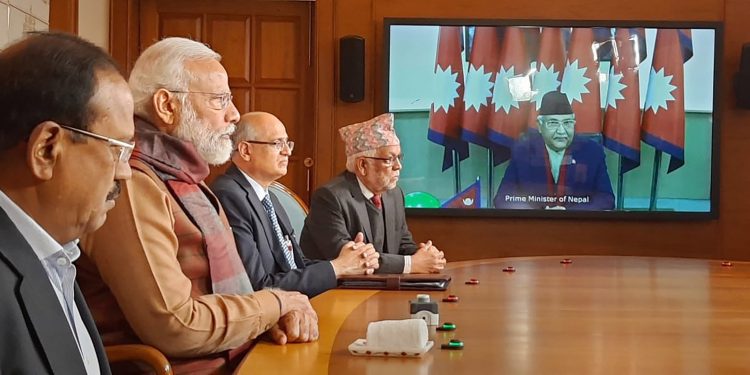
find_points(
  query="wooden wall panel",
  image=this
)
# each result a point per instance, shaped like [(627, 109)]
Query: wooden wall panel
[(285, 103), (63, 15), (323, 111), (279, 38), (473, 238), (231, 37), (242, 98), (353, 17), (265, 47), (735, 139), (124, 21), (185, 25)]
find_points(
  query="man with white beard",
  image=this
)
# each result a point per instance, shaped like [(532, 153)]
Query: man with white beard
[(166, 255)]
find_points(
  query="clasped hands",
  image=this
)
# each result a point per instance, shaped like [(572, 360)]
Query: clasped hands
[(427, 259), (299, 322), (356, 258)]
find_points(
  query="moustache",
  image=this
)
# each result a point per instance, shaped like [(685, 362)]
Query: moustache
[(115, 192), (229, 130)]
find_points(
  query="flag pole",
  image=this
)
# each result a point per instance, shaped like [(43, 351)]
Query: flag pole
[(490, 175), (620, 177), (654, 180), (456, 171)]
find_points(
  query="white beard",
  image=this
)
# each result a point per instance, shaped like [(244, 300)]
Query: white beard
[(214, 146)]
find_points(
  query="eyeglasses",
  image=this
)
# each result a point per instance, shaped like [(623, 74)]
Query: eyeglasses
[(217, 101), (554, 124), (388, 162), (124, 149), (277, 144)]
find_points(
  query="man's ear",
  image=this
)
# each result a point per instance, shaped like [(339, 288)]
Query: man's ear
[(245, 151), (360, 164), (44, 147), (165, 107)]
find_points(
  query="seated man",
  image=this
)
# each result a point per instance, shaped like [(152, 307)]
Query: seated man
[(260, 225), (552, 168), (365, 199), (172, 277), (66, 130)]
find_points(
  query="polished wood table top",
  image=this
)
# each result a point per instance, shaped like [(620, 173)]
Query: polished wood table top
[(613, 315)]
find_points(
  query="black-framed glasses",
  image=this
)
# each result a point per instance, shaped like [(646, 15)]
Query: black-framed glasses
[(277, 144), (217, 100), (124, 149), (388, 162)]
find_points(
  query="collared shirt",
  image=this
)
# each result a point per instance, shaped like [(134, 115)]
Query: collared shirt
[(555, 161), (260, 191), (369, 194), (57, 261)]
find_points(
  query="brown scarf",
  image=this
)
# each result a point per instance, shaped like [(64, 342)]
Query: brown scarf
[(183, 170)]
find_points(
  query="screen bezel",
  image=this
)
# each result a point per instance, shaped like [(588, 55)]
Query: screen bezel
[(718, 28)]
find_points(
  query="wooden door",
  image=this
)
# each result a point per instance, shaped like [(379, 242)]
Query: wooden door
[(265, 48)]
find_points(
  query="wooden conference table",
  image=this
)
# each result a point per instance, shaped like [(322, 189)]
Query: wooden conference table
[(613, 315)]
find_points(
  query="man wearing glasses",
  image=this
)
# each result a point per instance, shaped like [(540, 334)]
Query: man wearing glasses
[(261, 227), (164, 269), (365, 198), (66, 130), (553, 168)]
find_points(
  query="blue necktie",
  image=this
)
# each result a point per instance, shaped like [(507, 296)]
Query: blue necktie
[(277, 229)]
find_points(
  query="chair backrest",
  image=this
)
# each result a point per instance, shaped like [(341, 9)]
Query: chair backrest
[(294, 206), (145, 354)]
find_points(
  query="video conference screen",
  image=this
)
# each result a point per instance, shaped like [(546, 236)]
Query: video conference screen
[(522, 119)]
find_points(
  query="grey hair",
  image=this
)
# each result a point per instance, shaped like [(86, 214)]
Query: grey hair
[(352, 159), (162, 65), (246, 130)]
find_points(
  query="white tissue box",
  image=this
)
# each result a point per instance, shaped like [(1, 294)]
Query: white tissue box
[(394, 338)]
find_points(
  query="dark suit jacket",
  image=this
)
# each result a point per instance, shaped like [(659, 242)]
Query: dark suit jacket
[(338, 210), (260, 251), (583, 167), (35, 337)]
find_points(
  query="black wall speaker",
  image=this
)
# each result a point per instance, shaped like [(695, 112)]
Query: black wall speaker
[(742, 80), (352, 68)]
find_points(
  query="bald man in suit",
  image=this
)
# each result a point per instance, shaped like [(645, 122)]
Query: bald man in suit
[(265, 239)]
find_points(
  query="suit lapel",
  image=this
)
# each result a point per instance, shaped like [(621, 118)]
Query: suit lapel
[(37, 297), (360, 206), (286, 228), (260, 213)]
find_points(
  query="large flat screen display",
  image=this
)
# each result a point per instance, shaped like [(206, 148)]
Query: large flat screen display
[(530, 118)]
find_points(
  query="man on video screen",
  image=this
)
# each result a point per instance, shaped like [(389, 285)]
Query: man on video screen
[(552, 168)]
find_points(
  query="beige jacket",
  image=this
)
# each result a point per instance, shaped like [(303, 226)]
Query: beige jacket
[(149, 259)]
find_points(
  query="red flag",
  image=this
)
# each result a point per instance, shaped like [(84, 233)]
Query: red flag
[(508, 116), (479, 80), (468, 198), (448, 106), (549, 68), (664, 110), (580, 81), (622, 120)]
